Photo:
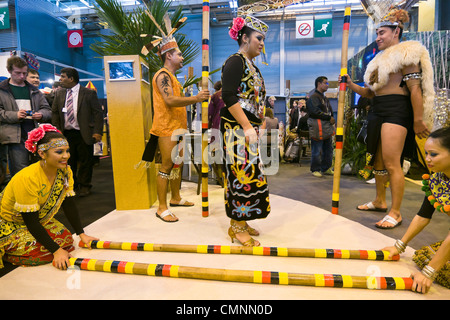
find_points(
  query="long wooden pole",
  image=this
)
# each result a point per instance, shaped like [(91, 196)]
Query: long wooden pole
[(259, 251), (263, 277), (205, 82), (340, 116)]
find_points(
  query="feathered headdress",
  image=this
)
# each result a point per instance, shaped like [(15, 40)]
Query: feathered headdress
[(395, 18), (166, 41)]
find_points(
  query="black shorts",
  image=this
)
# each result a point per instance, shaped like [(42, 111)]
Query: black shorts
[(396, 109)]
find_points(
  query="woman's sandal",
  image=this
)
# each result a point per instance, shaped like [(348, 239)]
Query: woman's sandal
[(236, 229), (251, 231)]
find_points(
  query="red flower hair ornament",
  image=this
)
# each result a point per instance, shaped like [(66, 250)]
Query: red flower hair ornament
[(238, 24), (37, 134)]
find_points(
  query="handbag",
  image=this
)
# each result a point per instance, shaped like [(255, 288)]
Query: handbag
[(362, 134), (320, 129)]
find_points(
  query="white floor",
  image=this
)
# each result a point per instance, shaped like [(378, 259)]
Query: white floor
[(291, 224)]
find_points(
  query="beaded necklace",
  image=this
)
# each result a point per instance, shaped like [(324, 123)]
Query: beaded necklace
[(257, 81), (257, 85)]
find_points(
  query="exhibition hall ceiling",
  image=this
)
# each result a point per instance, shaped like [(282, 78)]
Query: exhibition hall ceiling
[(221, 11)]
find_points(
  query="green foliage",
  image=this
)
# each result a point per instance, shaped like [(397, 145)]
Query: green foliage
[(127, 27), (354, 152)]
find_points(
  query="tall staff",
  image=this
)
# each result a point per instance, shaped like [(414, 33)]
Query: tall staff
[(205, 80), (263, 277), (340, 117)]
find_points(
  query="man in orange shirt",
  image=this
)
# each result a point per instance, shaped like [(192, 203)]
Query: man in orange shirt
[(169, 116)]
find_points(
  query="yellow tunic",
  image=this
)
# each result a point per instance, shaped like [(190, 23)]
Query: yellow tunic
[(30, 191), (166, 119)]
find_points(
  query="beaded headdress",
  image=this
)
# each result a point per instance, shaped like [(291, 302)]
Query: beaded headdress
[(166, 41), (252, 23), (55, 143), (256, 24), (248, 21)]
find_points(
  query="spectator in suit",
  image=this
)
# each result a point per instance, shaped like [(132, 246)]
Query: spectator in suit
[(77, 113)]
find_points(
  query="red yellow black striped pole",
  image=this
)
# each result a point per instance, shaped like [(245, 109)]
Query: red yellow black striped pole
[(257, 251), (205, 82), (340, 115), (263, 277)]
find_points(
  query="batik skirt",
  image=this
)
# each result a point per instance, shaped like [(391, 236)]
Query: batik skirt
[(246, 188), (21, 248)]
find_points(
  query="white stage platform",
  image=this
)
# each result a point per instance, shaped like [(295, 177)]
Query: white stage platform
[(291, 224)]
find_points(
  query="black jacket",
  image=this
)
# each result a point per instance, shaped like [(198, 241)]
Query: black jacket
[(319, 107)]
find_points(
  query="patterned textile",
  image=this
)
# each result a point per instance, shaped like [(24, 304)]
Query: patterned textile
[(27, 251), (424, 255), (246, 190), (29, 191), (437, 189)]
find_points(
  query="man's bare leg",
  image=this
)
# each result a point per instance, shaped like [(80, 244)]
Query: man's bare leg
[(393, 140), (165, 146), (380, 182), (175, 191)]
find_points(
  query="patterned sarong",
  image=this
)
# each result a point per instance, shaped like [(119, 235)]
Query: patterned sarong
[(246, 190), (19, 247)]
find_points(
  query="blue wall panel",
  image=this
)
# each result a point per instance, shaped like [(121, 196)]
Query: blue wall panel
[(44, 35)]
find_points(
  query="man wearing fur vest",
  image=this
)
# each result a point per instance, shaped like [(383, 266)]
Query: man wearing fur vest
[(400, 81)]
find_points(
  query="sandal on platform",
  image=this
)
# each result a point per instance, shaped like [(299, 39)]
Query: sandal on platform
[(165, 214), (391, 220), (251, 231), (182, 203), (236, 229), (371, 207)]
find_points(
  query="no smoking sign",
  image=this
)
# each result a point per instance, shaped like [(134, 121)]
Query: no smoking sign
[(304, 29)]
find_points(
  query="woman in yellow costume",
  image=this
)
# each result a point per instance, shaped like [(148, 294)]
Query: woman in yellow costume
[(29, 233), (243, 91)]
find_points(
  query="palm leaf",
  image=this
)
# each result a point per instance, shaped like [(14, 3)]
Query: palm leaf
[(127, 27)]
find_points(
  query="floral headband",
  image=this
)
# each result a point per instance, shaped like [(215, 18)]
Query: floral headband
[(37, 134)]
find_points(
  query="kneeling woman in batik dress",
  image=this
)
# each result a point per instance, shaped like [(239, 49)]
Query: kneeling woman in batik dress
[(246, 191), (29, 233)]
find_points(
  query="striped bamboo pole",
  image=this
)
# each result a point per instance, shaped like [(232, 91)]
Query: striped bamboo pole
[(257, 251), (205, 80), (340, 117), (263, 277)]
